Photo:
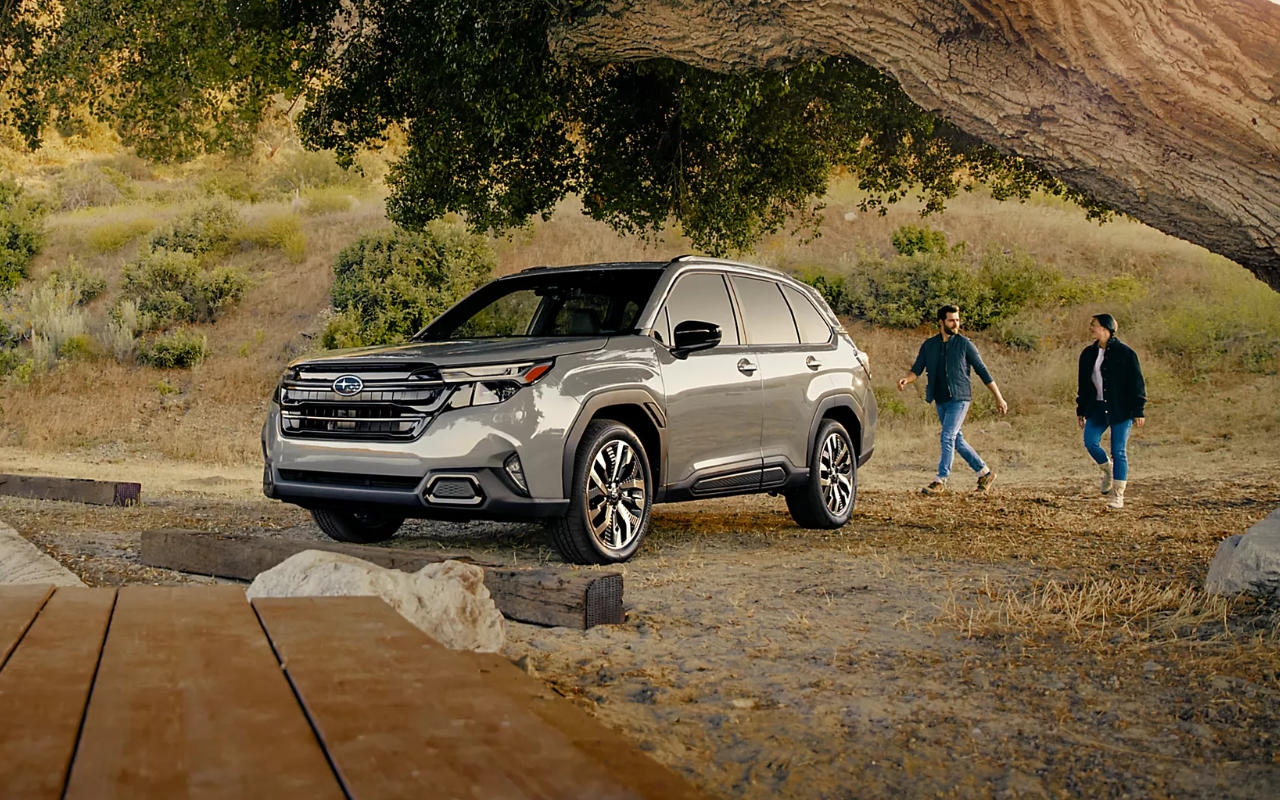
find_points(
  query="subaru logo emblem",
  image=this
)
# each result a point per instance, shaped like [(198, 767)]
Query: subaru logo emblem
[(348, 385)]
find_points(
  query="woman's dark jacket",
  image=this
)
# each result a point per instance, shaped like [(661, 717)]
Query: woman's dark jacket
[(1123, 388)]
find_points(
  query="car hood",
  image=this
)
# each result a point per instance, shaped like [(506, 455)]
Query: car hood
[(453, 353)]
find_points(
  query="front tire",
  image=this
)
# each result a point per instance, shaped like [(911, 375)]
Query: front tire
[(609, 499), (826, 500), (358, 527)]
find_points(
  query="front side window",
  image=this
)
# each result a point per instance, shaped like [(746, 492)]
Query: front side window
[(586, 303), (704, 297)]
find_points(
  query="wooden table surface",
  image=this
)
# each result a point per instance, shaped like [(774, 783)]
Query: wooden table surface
[(194, 692)]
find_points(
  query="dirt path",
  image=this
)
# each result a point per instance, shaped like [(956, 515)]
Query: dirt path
[(764, 661)]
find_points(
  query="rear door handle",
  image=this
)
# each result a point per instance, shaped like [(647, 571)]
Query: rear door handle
[(812, 363), (746, 366)]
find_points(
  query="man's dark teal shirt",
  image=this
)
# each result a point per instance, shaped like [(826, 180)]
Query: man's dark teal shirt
[(961, 355)]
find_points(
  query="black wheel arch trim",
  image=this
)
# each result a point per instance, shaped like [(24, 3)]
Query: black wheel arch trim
[(641, 403), (838, 401)]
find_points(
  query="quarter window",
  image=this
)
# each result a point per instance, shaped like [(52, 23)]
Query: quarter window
[(765, 314), (703, 296), (814, 328)]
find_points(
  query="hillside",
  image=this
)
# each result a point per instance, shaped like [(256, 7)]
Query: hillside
[(1207, 331)]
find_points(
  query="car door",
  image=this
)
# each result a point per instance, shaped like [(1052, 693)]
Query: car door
[(786, 374), (713, 396)]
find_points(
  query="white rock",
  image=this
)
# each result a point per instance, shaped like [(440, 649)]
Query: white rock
[(1248, 562), (447, 600)]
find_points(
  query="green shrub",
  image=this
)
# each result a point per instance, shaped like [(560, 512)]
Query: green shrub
[(111, 236), (204, 230), (15, 363), (388, 285), (907, 291), (180, 349), (911, 239), (84, 285), (21, 233), (80, 346), (171, 287)]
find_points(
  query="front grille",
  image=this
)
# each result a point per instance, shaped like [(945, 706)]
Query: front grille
[(346, 479), (391, 408)]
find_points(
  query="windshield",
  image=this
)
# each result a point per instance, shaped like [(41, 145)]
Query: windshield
[(579, 303)]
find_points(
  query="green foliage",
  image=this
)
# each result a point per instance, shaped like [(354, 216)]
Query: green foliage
[(169, 286), (906, 291), (911, 239), (388, 285), (21, 233), (180, 349), (80, 346), (1209, 334), (85, 286), (500, 130), (204, 230), (176, 78)]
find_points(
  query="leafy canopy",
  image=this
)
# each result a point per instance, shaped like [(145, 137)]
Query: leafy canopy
[(497, 129)]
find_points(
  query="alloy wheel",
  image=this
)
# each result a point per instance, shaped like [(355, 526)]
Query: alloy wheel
[(835, 474), (616, 495)]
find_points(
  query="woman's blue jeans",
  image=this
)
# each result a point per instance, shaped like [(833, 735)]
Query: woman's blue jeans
[(951, 414), (1093, 428)]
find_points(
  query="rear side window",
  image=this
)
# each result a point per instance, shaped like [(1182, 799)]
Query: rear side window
[(765, 315), (704, 297), (814, 328)]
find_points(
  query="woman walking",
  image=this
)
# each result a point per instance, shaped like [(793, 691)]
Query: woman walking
[(1112, 395)]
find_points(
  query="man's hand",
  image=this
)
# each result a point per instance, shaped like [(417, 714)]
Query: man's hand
[(910, 377), (902, 384), (1080, 422), (1138, 422), (1002, 405)]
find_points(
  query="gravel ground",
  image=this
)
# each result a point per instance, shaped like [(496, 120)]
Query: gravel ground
[(884, 659)]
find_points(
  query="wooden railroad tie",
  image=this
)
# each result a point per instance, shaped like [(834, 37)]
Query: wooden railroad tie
[(75, 490), (571, 598)]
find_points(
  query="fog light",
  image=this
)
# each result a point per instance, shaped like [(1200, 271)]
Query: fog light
[(515, 471)]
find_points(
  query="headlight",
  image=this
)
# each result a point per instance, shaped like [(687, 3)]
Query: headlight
[(491, 383)]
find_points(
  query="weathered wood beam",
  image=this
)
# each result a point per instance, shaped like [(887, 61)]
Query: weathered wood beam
[(552, 597), (75, 490)]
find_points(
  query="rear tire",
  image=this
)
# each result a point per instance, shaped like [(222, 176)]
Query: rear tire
[(359, 527), (609, 498), (826, 500)]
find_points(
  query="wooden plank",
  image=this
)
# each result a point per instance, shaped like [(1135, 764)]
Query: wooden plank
[(76, 490), (18, 607), (43, 690), (190, 702), (569, 598), (397, 711)]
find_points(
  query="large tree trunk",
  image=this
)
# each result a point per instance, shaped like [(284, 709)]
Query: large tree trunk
[(1168, 110)]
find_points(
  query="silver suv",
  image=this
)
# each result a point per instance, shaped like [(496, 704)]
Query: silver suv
[(582, 396)]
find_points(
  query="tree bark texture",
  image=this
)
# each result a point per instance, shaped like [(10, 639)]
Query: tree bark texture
[(1169, 110)]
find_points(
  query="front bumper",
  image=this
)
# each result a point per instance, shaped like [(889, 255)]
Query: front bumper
[(439, 494)]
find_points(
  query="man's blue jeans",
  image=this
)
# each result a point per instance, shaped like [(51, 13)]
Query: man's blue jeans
[(1093, 428), (951, 414)]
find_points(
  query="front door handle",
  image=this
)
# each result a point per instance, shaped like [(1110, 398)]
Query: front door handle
[(812, 363), (746, 366)]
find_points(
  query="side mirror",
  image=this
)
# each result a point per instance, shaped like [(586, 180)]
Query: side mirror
[(693, 335)]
